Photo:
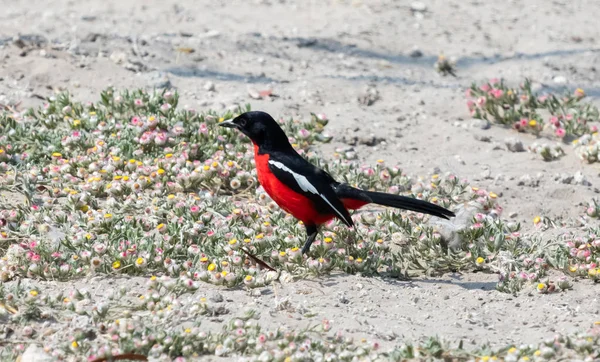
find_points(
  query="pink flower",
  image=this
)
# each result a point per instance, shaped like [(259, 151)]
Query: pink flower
[(594, 129), (481, 101), (554, 121), (468, 93), (476, 226), (523, 122), (560, 132), (470, 104), (485, 87), (138, 102), (497, 93), (195, 209)]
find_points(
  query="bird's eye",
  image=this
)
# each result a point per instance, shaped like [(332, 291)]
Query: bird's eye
[(243, 122)]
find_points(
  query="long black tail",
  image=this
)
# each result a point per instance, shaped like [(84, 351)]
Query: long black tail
[(400, 202)]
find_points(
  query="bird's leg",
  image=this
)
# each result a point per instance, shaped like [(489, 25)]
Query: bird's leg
[(311, 232)]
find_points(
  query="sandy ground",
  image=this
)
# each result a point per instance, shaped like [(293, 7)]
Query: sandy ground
[(320, 56)]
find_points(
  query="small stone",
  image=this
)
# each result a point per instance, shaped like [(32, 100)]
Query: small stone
[(418, 6), (158, 80), (416, 53), (369, 96), (35, 353), (254, 94), (566, 179), (342, 299), (499, 179), (118, 57), (481, 124), (209, 86), (580, 179), (216, 298), (483, 138), (559, 79), (527, 180), (513, 215), (514, 145), (486, 174), (459, 160)]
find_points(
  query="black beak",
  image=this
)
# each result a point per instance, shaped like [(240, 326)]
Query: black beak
[(228, 124)]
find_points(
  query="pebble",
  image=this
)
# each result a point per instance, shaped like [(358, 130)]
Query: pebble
[(216, 297), (514, 145), (483, 138), (527, 180), (481, 123), (158, 80), (415, 53), (209, 86), (35, 353), (559, 79), (118, 57), (418, 6)]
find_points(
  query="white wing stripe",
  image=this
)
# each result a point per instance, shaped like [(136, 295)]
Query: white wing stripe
[(306, 186)]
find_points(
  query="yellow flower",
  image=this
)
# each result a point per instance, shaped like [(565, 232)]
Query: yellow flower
[(224, 273), (295, 249), (537, 353), (188, 330), (230, 163), (512, 350), (84, 208), (168, 155), (170, 196), (203, 259), (592, 273), (572, 268), (493, 195), (206, 167), (116, 264), (328, 240), (56, 154), (212, 267), (76, 122), (485, 358), (139, 261), (153, 277), (479, 261), (380, 161), (537, 220), (579, 92), (33, 293), (108, 216), (215, 164), (541, 287), (260, 236), (282, 253), (160, 171), (248, 278), (221, 119), (74, 344), (434, 199), (532, 123), (359, 260), (159, 227), (233, 241)]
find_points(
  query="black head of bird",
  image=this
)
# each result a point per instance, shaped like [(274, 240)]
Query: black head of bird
[(261, 128)]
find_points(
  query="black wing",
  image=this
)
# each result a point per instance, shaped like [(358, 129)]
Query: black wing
[(310, 181)]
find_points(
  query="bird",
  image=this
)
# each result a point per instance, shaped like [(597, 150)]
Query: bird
[(304, 190)]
